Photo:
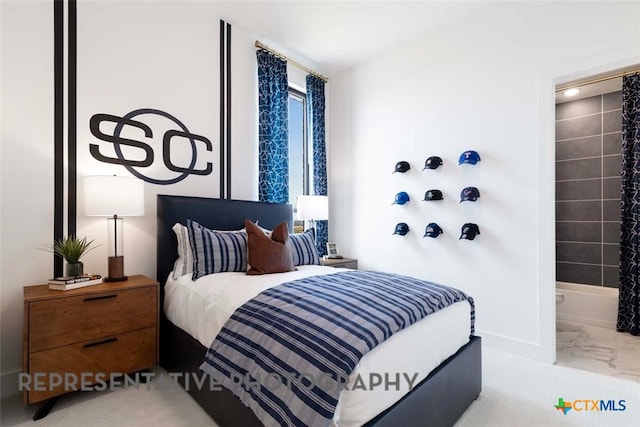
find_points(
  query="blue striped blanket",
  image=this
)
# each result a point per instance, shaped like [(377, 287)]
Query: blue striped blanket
[(288, 352)]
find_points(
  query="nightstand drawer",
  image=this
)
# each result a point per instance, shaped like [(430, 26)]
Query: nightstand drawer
[(347, 264), (340, 263), (62, 321), (124, 353)]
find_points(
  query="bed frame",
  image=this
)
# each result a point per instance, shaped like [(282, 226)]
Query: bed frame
[(439, 400)]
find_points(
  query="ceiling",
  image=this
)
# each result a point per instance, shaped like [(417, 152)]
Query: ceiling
[(331, 36)]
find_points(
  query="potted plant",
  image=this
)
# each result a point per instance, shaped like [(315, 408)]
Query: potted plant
[(71, 248)]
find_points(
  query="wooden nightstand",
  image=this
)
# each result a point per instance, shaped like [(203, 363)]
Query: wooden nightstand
[(87, 333), (340, 262)]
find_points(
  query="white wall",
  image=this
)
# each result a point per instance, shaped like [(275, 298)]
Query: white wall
[(26, 143), (164, 56), (486, 84), (131, 55)]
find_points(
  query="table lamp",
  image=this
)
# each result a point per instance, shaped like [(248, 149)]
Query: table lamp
[(312, 208), (114, 197)]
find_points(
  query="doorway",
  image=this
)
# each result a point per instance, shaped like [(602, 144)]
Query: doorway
[(588, 144)]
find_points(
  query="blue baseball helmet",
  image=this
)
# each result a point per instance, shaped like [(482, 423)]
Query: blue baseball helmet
[(401, 198), (469, 193), (401, 228), (432, 230), (469, 156)]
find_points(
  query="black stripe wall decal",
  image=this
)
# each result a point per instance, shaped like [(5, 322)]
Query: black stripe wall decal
[(59, 135), (228, 83), (72, 148), (58, 116), (222, 107), (225, 110)]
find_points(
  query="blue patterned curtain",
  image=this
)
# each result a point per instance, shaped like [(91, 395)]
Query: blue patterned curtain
[(315, 122), (273, 129), (629, 300)]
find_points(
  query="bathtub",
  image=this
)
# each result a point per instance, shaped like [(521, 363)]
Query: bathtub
[(586, 304)]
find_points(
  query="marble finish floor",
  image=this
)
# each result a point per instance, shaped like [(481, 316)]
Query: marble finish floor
[(599, 350)]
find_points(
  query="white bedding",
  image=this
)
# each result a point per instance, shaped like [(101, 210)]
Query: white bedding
[(202, 307)]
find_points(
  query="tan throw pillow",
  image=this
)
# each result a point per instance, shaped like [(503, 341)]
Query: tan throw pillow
[(268, 254)]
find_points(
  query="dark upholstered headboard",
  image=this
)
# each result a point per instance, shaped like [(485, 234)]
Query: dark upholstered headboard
[(216, 214)]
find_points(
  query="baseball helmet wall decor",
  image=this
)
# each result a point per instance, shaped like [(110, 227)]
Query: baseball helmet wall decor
[(471, 157), (470, 194), (432, 230), (433, 195), (401, 229), (401, 167), (469, 231), (401, 198), (433, 162)]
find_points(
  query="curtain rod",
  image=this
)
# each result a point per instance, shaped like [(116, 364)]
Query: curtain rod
[(290, 61), (597, 79)]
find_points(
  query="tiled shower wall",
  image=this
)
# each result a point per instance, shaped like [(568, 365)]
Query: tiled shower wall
[(588, 158)]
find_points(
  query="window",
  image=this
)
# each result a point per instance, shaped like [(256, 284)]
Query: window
[(300, 152)]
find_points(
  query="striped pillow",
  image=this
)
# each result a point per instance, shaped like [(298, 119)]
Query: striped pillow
[(184, 263), (216, 251), (303, 248)]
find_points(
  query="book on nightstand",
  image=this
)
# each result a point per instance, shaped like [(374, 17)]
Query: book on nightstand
[(68, 283)]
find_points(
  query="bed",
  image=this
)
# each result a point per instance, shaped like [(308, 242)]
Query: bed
[(439, 399)]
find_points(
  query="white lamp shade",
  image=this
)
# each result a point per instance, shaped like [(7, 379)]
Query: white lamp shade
[(313, 207), (113, 195)]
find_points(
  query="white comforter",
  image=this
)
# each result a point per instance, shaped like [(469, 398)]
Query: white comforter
[(202, 307)]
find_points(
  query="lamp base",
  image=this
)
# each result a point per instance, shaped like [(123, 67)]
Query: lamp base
[(116, 269)]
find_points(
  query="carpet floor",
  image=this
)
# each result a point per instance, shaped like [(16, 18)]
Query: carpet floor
[(516, 392)]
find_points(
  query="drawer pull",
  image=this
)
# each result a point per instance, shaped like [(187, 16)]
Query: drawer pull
[(107, 341), (101, 297)]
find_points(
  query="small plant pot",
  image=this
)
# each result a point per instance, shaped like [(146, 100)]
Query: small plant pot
[(74, 269)]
